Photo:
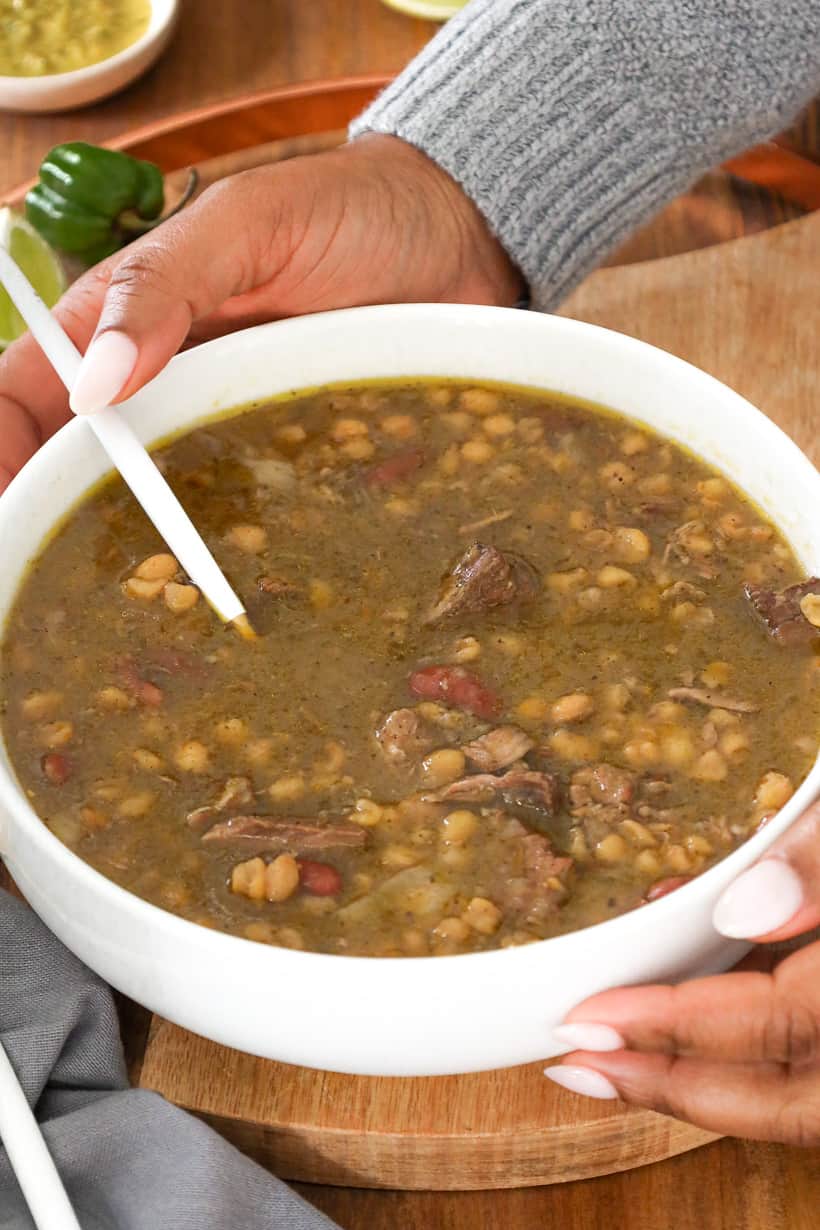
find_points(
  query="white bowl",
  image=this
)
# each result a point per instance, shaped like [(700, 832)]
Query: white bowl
[(412, 1016), (62, 91)]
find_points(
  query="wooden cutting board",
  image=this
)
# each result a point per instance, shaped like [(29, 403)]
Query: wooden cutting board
[(749, 312)]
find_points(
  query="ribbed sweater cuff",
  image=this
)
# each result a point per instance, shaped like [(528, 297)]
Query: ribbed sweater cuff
[(569, 122)]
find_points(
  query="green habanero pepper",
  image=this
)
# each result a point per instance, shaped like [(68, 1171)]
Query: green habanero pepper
[(89, 201)]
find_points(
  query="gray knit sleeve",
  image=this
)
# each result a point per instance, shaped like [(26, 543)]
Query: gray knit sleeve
[(569, 122)]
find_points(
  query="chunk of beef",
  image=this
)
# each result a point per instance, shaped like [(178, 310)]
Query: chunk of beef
[(520, 789), (258, 834), (395, 469), (544, 881), (780, 611), (601, 784), (457, 687), (712, 699), (481, 579), (403, 737), (498, 749), (237, 792), (277, 587)]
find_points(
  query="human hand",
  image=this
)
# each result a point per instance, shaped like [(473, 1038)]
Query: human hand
[(373, 222), (738, 1053)]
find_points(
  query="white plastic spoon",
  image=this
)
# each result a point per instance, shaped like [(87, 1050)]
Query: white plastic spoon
[(29, 1156), (127, 453)]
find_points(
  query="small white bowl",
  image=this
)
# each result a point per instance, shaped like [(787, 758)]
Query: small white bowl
[(411, 1016), (63, 91)]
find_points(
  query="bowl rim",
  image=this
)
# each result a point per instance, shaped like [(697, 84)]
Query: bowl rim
[(34, 829), (163, 13)]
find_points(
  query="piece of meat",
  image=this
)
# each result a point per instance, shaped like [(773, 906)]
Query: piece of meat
[(277, 587), (498, 749), (395, 469), (712, 699), (257, 834), (601, 783), (525, 790), (544, 881), (237, 792), (779, 610), (484, 578), (457, 687), (403, 737), (662, 888), (143, 691)]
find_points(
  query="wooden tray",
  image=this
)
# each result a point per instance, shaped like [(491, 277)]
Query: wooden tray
[(728, 308)]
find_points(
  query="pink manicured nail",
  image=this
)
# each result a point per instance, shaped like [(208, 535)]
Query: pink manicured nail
[(582, 1080), (759, 901), (106, 366), (586, 1037)]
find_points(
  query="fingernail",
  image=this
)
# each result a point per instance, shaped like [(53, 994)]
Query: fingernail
[(582, 1080), (585, 1037), (106, 366), (759, 901)]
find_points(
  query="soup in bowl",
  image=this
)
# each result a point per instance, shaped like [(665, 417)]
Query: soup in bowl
[(532, 683)]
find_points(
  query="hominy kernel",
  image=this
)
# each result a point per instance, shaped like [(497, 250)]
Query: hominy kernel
[(56, 734), (148, 760), (810, 609), (192, 757), (678, 749), (281, 878), (458, 827), (232, 731), (565, 582), (610, 577), (698, 845), (458, 421), (414, 942), (39, 705), (443, 766), (574, 707), (634, 442), (655, 484), (114, 698), (248, 879), (258, 751), (510, 643), (180, 598), (570, 746), (712, 489), (773, 791), (259, 931), (637, 833), (710, 767), (581, 519), (677, 859), (530, 429), (577, 847), (157, 568), (348, 429), (632, 545), (616, 696), (291, 433), (453, 929), (479, 401), (400, 856), (477, 451), (146, 591), (716, 674), (508, 472), (467, 649), (322, 595), (483, 916), (289, 937), (733, 744), (136, 805), (400, 506), (731, 526), (251, 539), (533, 708), (288, 788), (499, 424), (647, 863), (367, 813), (611, 849), (449, 461), (723, 718), (641, 753), (358, 449), (457, 857), (439, 396), (400, 426)]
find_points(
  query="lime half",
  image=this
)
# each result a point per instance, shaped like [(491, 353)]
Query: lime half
[(38, 261)]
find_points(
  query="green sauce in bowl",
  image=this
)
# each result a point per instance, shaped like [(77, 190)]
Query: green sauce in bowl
[(41, 37)]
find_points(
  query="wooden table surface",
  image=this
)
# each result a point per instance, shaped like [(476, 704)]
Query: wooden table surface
[(224, 49)]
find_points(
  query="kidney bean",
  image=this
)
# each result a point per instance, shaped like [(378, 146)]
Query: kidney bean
[(395, 469), (320, 879), (457, 687), (56, 768), (661, 888)]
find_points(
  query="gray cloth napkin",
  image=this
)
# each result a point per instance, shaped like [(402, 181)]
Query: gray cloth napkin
[(129, 1160)]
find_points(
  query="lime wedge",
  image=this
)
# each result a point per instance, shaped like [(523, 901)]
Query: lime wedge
[(38, 261)]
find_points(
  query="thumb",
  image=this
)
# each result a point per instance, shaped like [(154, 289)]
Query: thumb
[(217, 248), (779, 897)]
